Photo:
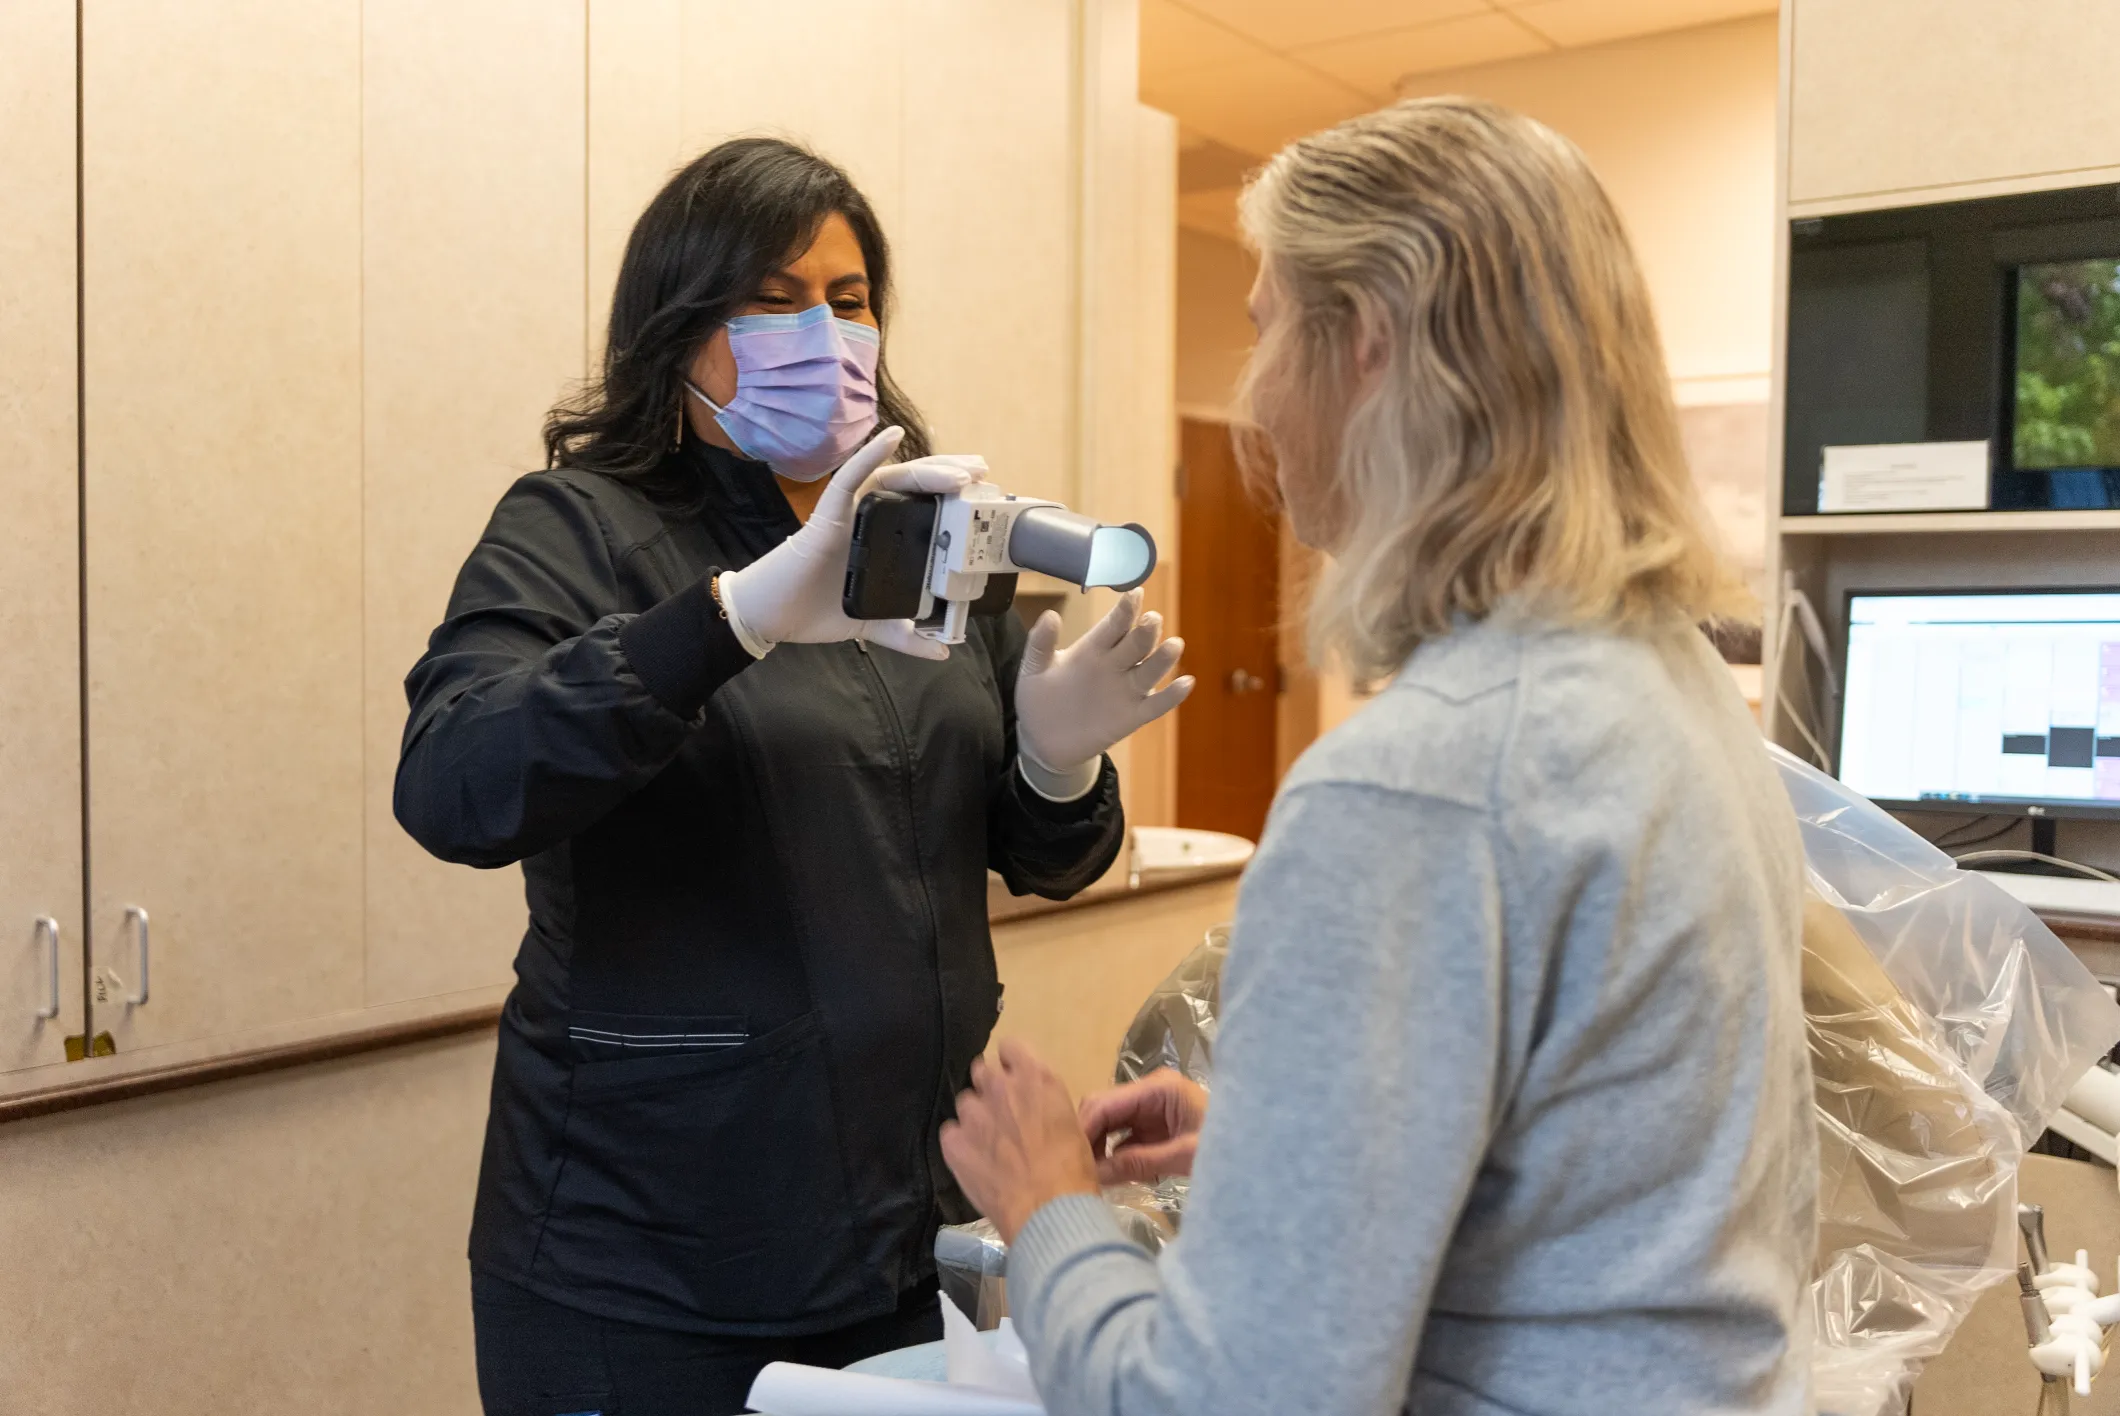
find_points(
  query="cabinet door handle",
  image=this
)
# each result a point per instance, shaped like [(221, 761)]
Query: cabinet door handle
[(137, 918), (48, 929)]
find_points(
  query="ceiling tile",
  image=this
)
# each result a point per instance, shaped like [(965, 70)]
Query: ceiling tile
[(1213, 213), (1579, 22), (1253, 106), (1174, 39), (1285, 24), (1207, 165), (1375, 63)]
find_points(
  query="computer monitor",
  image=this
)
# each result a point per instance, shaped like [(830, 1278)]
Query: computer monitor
[(1986, 701)]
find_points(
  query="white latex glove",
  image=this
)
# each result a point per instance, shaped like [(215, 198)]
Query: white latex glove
[(791, 594), (1073, 703)]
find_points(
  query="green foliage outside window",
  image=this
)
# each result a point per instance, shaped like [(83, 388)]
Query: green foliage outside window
[(2068, 365)]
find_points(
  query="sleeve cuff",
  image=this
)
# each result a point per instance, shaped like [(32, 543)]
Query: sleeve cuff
[(1060, 1230), (683, 650), (1056, 786)]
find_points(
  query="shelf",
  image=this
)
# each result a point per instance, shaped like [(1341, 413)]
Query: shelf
[(1956, 522)]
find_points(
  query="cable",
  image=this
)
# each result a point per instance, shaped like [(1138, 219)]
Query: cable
[(1797, 614), (1977, 840), (2089, 872), (1949, 831), (1819, 754), (1943, 841)]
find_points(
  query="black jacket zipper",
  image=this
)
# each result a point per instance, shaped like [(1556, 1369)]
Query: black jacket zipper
[(927, 897)]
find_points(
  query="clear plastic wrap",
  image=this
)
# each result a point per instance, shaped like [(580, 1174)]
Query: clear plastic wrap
[(1176, 1026), (973, 1263), (973, 1260), (1946, 1024)]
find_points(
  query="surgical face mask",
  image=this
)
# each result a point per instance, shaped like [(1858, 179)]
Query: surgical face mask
[(805, 390)]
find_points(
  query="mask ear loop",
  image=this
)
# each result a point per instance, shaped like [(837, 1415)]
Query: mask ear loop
[(701, 394)]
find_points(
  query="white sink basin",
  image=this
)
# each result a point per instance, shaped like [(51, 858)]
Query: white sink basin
[(1182, 848)]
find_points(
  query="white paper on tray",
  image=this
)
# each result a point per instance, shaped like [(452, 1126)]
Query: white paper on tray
[(785, 1389), (982, 1382), (1005, 1367)]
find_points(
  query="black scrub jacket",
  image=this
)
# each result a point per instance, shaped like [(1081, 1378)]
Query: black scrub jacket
[(757, 967)]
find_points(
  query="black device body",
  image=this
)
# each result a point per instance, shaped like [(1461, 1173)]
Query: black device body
[(887, 563)]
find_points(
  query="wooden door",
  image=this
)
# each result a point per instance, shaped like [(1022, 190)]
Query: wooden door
[(1229, 554), (40, 706), (222, 493)]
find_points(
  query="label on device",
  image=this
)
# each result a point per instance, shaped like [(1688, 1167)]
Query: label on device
[(1938, 476)]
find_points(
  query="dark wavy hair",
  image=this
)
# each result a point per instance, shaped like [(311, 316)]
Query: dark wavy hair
[(698, 254)]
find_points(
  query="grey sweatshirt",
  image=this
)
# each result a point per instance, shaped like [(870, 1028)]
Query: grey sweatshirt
[(1512, 1104)]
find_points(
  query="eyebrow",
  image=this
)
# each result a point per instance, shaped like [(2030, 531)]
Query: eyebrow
[(851, 278)]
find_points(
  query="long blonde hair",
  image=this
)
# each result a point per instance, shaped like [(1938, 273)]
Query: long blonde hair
[(1511, 437)]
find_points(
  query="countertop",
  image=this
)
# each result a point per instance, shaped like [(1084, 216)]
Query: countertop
[(1113, 887)]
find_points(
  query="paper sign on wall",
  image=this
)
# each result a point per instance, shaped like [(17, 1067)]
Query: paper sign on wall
[(1937, 476)]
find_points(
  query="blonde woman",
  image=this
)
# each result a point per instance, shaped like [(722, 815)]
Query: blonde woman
[(1511, 1110)]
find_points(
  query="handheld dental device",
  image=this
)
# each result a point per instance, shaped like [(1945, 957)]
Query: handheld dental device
[(937, 559)]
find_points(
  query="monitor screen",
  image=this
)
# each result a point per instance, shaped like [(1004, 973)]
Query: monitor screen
[(2066, 402), (2003, 701)]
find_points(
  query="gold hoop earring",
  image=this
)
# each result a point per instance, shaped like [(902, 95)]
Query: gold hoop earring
[(677, 440)]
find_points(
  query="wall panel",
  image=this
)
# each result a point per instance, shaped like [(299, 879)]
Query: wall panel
[(223, 502), (472, 326), (833, 80), (288, 1243), (984, 336), (40, 706), (635, 137)]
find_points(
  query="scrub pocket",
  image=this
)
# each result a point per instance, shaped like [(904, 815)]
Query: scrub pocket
[(707, 1184), (616, 1037)]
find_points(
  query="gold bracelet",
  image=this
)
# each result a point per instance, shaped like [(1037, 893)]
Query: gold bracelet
[(714, 590)]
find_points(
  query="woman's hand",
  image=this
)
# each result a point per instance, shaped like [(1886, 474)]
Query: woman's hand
[(791, 594), (1016, 1143), (1073, 703), (1157, 1122)]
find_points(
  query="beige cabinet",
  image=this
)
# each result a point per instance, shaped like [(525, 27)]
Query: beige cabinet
[(336, 261), (221, 337), (1902, 96), (40, 713), (473, 324), (328, 303)]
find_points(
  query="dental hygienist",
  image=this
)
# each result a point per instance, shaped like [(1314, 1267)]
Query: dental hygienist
[(755, 834)]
